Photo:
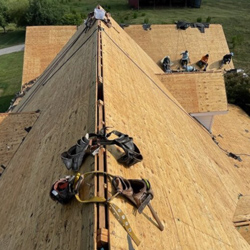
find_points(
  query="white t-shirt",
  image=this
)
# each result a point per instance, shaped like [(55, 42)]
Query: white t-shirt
[(99, 14)]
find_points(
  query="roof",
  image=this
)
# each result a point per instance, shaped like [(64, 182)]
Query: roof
[(42, 44), (163, 40), (103, 78), (197, 92)]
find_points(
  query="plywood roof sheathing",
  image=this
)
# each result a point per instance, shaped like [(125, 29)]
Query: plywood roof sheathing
[(195, 183), (163, 40), (42, 44), (197, 92)]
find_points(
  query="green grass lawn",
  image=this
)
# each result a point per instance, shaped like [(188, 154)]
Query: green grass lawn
[(10, 77), (11, 38)]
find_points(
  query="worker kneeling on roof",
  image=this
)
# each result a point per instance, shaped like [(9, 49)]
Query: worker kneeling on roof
[(227, 58), (189, 68), (203, 62), (166, 63)]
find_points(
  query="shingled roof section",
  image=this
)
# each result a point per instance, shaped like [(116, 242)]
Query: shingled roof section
[(42, 44), (103, 78)]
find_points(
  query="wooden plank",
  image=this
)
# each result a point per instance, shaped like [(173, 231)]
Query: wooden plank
[(102, 237)]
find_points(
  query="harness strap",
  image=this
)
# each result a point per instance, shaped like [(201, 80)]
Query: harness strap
[(116, 211), (121, 217)]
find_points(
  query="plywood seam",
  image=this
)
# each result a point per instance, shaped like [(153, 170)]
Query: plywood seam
[(23, 138), (206, 233)]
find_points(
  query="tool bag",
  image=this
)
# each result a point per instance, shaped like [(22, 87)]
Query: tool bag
[(91, 143)]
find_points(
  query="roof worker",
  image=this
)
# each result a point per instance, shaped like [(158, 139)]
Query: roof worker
[(185, 58), (166, 63), (227, 58), (203, 62), (101, 14), (189, 68)]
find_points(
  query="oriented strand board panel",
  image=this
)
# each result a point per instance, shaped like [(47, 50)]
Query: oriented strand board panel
[(67, 104), (42, 44), (235, 140), (195, 184), (197, 92), (13, 133), (163, 40)]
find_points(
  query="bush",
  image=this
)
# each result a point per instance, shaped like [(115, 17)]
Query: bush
[(208, 20), (44, 12), (72, 19), (126, 18), (199, 20), (135, 15), (238, 90)]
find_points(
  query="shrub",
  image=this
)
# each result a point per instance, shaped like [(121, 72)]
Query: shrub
[(135, 15), (199, 20), (238, 90), (208, 20), (126, 18), (71, 19), (143, 14)]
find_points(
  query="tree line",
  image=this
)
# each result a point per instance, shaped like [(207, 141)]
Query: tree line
[(36, 12)]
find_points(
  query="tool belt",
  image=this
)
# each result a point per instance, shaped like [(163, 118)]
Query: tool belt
[(91, 143), (139, 192)]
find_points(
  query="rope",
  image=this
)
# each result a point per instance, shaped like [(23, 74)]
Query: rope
[(116, 211)]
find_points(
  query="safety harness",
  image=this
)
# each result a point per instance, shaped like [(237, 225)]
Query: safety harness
[(139, 192), (91, 143)]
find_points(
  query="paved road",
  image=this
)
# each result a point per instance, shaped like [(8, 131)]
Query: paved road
[(12, 49)]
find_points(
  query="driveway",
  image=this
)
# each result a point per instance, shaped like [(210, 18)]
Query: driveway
[(12, 49)]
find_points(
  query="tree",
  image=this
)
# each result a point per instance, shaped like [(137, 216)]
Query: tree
[(4, 15), (44, 12), (72, 19), (17, 10)]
